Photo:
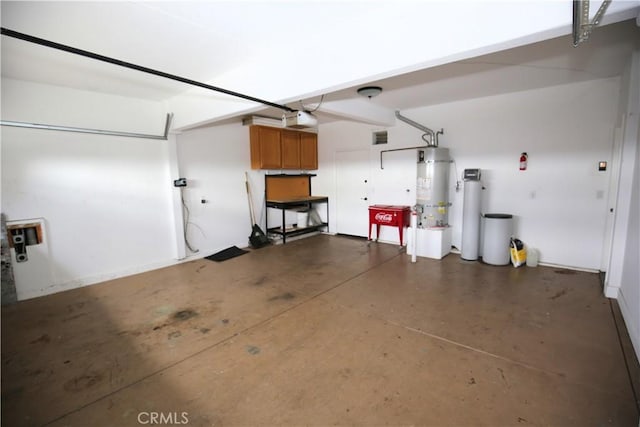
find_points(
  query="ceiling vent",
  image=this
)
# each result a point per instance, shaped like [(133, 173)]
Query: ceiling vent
[(380, 137)]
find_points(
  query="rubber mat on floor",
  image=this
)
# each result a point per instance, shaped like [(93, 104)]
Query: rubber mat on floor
[(226, 254)]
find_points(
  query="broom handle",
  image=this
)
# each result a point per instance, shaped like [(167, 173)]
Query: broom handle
[(246, 182)]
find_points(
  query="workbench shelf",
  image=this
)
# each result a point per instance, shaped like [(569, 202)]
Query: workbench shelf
[(306, 203), (292, 192), (296, 231)]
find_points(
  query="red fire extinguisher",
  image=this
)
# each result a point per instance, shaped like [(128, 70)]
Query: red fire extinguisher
[(523, 161)]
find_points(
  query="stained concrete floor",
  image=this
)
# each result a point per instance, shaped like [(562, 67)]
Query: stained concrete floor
[(321, 331)]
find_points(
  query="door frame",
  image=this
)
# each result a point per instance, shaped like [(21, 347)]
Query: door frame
[(612, 200), (366, 156)]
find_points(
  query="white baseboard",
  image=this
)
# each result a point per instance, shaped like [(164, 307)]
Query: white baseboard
[(98, 278), (632, 328), (569, 267)]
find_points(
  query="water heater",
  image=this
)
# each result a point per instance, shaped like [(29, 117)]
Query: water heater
[(432, 187)]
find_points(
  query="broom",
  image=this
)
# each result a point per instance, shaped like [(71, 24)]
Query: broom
[(257, 238)]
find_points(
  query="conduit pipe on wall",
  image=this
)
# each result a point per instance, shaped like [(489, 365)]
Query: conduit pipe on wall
[(396, 149), (92, 131)]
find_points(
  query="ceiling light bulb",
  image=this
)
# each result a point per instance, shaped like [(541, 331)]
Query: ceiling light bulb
[(370, 91)]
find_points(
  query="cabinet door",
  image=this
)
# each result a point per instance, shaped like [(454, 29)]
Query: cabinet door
[(265, 148), (290, 144), (308, 151)]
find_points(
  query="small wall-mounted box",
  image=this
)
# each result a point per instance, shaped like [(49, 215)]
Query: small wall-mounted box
[(23, 235), (30, 257)]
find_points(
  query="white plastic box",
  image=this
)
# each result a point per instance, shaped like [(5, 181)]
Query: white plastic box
[(431, 242)]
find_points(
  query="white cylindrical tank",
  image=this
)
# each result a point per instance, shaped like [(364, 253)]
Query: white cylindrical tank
[(432, 186), (497, 232), (471, 220)]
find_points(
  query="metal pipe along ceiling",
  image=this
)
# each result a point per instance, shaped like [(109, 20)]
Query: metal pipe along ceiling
[(430, 132)]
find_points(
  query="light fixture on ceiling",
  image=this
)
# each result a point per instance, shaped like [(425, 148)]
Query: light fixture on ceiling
[(370, 91)]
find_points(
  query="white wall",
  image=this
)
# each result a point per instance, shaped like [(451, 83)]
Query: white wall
[(214, 161), (106, 200), (559, 203)]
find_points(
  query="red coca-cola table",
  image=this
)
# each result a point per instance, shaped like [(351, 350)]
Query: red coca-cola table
[(391, 215)]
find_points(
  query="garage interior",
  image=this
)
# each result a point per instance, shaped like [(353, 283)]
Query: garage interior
[(120, 188)]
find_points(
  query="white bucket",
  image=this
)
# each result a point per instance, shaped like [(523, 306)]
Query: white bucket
[(303, 219), (532, 257)]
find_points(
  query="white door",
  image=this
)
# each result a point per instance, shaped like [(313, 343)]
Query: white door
[(352, 182)]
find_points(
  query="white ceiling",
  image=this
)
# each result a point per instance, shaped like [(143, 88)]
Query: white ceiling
[(286, 51), (543, 64)]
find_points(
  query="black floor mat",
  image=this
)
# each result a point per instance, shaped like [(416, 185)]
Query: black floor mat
[(226, 254)]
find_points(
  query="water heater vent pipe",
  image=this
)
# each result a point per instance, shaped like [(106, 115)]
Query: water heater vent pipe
[(433, 140)]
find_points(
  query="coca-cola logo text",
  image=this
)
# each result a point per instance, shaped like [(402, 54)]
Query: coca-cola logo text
[(383, 217)]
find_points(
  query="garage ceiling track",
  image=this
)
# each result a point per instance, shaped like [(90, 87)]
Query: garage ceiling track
[(232, 45), (118, 62)]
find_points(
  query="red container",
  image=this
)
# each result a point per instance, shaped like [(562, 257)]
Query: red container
[(390, 215)]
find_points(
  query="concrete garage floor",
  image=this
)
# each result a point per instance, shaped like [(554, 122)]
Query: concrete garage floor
[(321, 331)]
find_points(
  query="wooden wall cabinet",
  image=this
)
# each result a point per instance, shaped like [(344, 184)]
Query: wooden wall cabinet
[(290, 146), (265, 147), (274, 148), (308, 151)]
